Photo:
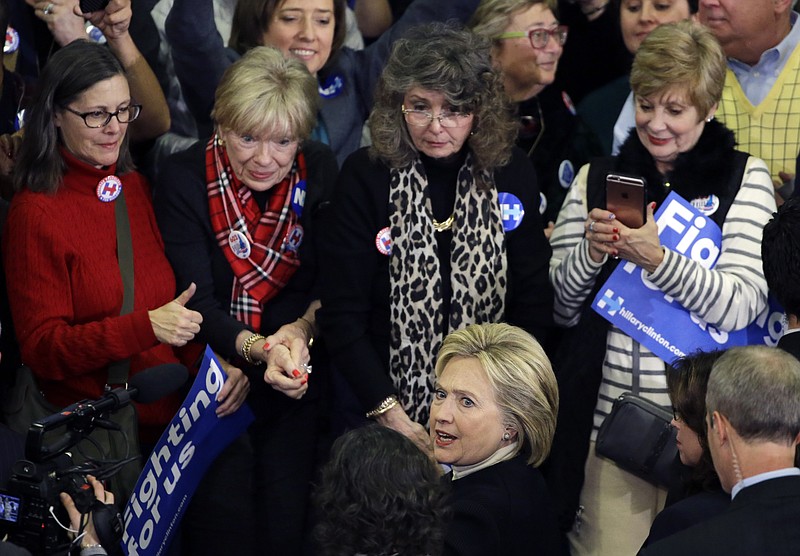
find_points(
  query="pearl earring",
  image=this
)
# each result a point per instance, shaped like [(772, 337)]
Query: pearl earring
[(507, 436)]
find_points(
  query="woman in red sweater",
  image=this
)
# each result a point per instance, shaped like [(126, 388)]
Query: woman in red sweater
[(60, 242)]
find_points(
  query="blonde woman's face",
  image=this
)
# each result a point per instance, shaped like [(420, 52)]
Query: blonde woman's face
[(303, 29), (466, 422), (638, 18), (668, 124), (260, 162)]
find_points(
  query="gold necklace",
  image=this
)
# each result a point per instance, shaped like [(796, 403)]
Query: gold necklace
[(444, 226)]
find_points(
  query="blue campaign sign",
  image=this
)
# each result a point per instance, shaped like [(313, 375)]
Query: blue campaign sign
[(192, 441), (637, 307)]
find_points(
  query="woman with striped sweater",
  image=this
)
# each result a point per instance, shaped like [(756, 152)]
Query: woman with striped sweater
[(677, 81)]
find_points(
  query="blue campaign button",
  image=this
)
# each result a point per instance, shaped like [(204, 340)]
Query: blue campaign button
[(331, 87), (511, 209), (566, 173), (299, 198)]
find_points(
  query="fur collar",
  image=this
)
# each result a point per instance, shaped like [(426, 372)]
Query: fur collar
[(701, 171)]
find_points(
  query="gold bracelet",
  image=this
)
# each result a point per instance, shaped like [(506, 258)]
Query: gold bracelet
[(311, 329), (383, 407), (247, 344)]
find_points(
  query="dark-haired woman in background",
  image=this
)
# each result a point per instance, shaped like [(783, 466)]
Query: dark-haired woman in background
[(433, 227), (697, 495), (379, 494)]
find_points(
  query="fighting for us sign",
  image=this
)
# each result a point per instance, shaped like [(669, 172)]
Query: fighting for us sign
[(191, 442), (657, 321)]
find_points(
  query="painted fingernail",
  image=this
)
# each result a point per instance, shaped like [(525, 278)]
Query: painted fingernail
[(616, 230), (616, 238), (304, 381), (266, 346), (295, 373)]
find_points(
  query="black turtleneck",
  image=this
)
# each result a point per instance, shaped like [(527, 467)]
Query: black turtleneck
[(442, 174)]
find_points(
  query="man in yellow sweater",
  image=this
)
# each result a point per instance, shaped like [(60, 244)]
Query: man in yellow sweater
[(761, 99)]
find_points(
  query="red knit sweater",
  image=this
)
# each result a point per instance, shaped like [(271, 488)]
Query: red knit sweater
[(65, 289)]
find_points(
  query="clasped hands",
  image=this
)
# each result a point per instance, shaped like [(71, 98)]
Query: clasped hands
[(607, 236)]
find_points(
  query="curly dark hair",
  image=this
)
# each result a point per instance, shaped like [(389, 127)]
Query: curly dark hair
[(444, 58), (379, 494), (687, 381)]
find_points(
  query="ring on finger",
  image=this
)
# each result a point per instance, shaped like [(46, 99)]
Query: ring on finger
[(48, 9), (591, 226)]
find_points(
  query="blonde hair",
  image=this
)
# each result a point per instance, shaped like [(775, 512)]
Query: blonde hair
[(521, 376), (684, 56), (492, 17), (263, 92)]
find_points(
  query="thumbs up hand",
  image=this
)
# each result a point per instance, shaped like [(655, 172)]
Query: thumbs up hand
[(173, 323)]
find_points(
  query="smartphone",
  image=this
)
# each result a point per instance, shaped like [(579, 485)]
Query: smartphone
[(89, 6), (625, 197)]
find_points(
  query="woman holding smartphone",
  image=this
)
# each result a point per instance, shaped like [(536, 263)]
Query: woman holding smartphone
[(677, 80)]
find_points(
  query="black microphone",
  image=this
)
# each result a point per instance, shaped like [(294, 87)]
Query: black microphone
[(145, 387)]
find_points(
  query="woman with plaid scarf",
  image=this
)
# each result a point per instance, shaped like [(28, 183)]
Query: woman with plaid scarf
[(238, 215)]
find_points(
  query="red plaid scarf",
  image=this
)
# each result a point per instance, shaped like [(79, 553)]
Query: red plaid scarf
[(269, 267)]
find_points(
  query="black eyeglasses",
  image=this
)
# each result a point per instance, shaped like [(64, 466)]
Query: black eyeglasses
[(100, 118), (539, 37)]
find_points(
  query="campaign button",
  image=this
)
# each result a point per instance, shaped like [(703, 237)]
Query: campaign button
[(12, 41), (511, 210), (566, 173), (95, 34), (294, 239), (383, 241), (331, 87), (239, 244), (19, 120), (109, 188), (299, 198), (568, 103), (708, 205)]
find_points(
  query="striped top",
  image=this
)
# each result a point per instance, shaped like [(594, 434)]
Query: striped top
[(728, 297)]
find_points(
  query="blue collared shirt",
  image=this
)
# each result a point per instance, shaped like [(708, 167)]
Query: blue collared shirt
[(756, 81), (761, 477)]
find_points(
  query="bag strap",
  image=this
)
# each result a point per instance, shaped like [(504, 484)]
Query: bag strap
[(118, 371)]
